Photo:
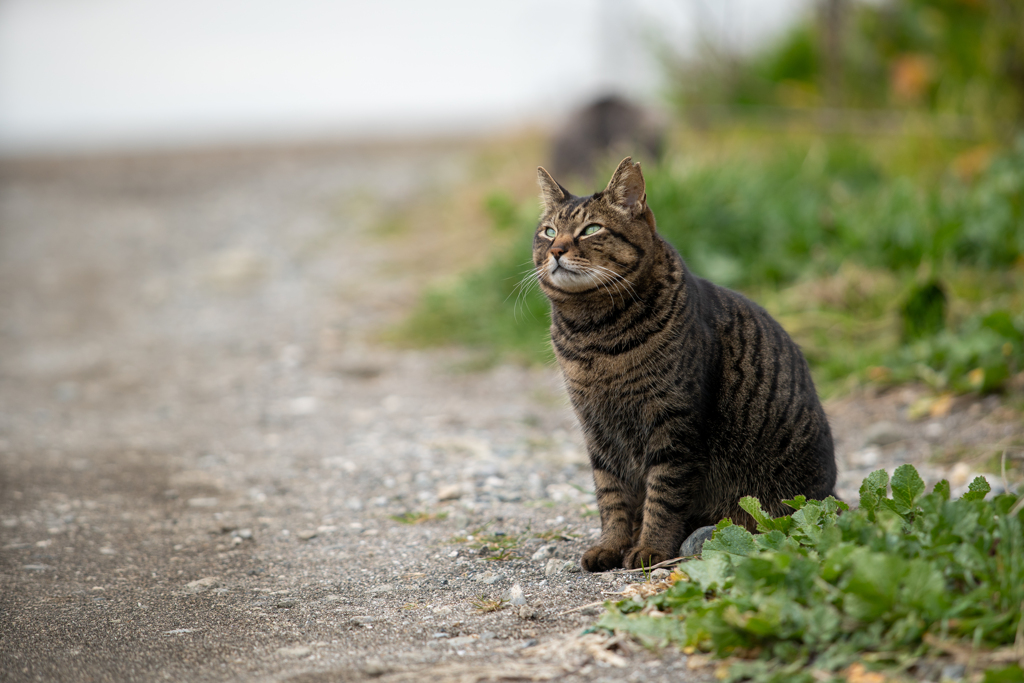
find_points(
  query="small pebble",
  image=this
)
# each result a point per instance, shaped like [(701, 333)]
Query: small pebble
[(202, 585), (883, 433), (953, 672), (306, 534), (660, 574), (865, 457), (287, 603), (554, 566), (544, 553), (449, 492), (694, 543), (933, 431), (516, 596), (374, 667), (527, 612), (296, 652)]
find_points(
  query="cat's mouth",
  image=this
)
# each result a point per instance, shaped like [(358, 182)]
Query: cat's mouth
[(568, 276)]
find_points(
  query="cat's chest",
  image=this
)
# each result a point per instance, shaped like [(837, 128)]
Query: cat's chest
[(619, 391)]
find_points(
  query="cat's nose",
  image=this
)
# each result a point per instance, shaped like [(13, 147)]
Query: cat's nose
[(556, 251)]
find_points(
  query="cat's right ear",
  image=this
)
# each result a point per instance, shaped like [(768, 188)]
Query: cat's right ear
[(551, 193)]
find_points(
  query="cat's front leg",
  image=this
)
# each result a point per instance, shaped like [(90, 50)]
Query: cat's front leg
[(666, 507), (619, 507)]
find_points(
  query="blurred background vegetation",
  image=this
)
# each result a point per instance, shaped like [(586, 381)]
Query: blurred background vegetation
[(862, 177)]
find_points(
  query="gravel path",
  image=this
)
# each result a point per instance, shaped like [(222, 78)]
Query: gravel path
[(210, 471)]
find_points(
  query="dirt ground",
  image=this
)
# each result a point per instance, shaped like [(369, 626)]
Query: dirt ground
[(209, 470)]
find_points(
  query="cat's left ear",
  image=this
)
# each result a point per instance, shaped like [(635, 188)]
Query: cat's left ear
[(626, 188), (551, 193)]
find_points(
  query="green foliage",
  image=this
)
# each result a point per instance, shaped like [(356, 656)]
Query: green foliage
[(947, 56), (807, 211), (496, 308), (412, 517), (825, 587), (497, 546), (924, 311), (759, 224), (980, 356)]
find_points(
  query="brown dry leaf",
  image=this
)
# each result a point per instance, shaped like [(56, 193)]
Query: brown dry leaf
[(972, 162), (646, 590), (879, 373), (911, 76), (696, 661), (856, 673), (677, 576), (600, 649), (575, 651), (942, 405)]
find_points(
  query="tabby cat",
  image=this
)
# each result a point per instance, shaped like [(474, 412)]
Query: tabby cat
[(690, 396)]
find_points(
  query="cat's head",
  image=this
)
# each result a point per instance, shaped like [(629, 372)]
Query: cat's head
[(596, 244)]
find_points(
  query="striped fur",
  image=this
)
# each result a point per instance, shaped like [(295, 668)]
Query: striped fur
[(690, 396)]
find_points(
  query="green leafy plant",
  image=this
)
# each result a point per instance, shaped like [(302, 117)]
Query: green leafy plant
[(498, 546), (561, 533), (981, 356), (792, 216), (412, 517), (889, 585), (483, 604)]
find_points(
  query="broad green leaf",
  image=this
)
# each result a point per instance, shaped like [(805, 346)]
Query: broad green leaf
[(836, 561), (711, 571), (797, 502), (942, 488), (774, 540), (907, 485), (806, 520), (978, 489), (1001, 323), (733, 539), (831, 504), (753, 508), (1010, 674), (873, 490), (870, 589)]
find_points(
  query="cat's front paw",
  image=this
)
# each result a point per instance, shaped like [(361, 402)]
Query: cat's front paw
[(601, 558), (642, 557)]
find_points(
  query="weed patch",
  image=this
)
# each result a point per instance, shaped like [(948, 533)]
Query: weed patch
[(418, 517), (880, 272), (900, 582), (483, 604)]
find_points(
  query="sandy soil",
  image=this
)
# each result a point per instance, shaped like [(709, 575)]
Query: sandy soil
[(209, 466)]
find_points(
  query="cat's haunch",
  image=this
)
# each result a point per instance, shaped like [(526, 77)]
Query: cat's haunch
[(690, 396)]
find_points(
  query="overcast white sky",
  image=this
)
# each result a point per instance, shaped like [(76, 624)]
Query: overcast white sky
[(87, 74)]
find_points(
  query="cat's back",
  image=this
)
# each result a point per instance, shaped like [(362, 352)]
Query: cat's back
[(765, 400)]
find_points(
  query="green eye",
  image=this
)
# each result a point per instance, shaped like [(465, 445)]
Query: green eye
[(550, 232), (591, 229)]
